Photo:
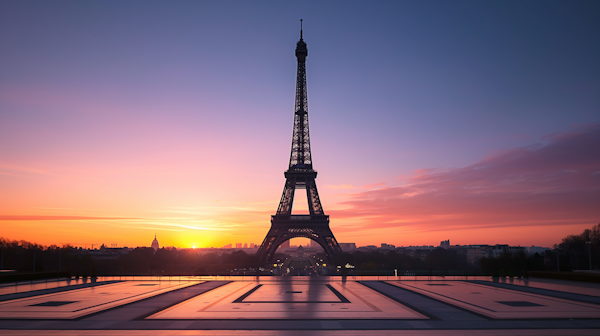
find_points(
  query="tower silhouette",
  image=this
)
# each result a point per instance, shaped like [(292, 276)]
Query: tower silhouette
[(300, 175)]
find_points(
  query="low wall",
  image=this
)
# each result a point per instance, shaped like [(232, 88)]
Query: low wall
[(585, 277), (13, 277)]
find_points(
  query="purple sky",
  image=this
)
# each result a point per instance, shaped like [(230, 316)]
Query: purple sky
[(197, 97)]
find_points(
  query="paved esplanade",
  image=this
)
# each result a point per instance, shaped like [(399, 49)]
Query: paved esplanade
[(302, 305)]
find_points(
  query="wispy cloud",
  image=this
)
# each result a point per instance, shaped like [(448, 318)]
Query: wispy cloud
[(371, 186), (188, 223), (50, 218), (538, 185), (9, 174), (341, 186), (349, 186), (17, 168), (216, 209), (54, 208), (153, 228)]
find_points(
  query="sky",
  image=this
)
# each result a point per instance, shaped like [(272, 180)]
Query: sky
[(473, 121)]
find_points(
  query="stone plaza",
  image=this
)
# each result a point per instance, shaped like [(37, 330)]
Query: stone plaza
[(300, 306)]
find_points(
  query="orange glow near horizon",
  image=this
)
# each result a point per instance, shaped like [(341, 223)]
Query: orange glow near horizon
[(522, 197), (140, 232)]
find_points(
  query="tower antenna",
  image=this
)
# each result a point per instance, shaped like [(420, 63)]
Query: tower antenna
[(301, 29)]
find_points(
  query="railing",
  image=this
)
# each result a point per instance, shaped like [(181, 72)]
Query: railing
[(431, 272), (275, 278), (26, 286), (299, 217)]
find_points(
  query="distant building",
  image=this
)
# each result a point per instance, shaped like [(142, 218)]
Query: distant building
[(155, 245), (347, 247), (474, 254), (300, 251), (423, 247), (368, 248), (387, 246), (445, 244), (107, 253), (245, 245), (228, 246), (536, 249), (285, 245), (238, 245), (498, 249)]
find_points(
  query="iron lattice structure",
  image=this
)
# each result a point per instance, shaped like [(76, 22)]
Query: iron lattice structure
[(300, 175)]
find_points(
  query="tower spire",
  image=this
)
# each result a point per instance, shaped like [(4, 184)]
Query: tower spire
[(300, 175), (300, 155)]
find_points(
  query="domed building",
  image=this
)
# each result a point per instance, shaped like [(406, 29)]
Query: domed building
[(155, 244)]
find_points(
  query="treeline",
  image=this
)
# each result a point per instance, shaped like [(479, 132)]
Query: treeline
[(438, 259), (20, 256), (24, 256), (143, 260), (572, 253), (513, 264)]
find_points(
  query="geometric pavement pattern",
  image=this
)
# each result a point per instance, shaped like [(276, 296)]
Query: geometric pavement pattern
[(301, 303), (500, 303)]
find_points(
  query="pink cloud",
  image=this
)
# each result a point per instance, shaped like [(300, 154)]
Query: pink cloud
[(342, 186), (47, 218), (20, 169), (540, 185)]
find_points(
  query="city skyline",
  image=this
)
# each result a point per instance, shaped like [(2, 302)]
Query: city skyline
[(422, 128)]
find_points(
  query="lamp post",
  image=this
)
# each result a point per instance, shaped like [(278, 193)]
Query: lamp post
[(589, 244)]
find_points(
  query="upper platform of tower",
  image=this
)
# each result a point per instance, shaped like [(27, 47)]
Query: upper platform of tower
[(301, 50)]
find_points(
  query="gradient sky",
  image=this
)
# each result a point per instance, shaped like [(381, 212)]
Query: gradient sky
[(474, 121)]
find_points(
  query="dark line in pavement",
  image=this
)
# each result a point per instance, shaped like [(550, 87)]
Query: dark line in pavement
[(218, 284), (248, 293), (417, 309), (338, 294), (542, 291), (125, 305), (447, 297)]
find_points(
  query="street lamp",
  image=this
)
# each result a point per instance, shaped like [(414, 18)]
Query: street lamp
[(589, 244)]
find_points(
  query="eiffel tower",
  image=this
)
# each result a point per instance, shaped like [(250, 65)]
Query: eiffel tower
[(300, 175)]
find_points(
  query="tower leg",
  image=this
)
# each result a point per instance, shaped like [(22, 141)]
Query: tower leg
[(303, 227)]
